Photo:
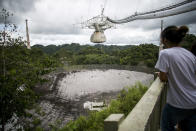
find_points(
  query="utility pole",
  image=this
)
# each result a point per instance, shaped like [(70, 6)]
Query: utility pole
[(27, 33), (161, 44)]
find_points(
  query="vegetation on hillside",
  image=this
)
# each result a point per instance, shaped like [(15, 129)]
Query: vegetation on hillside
[(20, 70), (143, 54), (75, 54), (125, 102), (188, 41)]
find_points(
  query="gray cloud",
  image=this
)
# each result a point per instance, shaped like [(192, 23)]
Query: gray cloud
[(49, 17), (46, 28), (17, 7), (183, 19)]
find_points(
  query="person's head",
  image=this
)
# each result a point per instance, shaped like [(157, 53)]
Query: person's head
[(172, 35)]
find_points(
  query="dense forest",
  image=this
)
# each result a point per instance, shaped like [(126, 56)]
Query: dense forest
[(76, 54)]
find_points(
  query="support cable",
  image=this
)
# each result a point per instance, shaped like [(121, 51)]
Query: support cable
[(159, 13), (167, 8)]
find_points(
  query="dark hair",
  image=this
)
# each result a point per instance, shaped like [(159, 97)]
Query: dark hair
[(174, 34), (193, 48)]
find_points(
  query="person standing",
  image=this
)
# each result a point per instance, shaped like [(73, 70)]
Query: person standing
[(177, 66)]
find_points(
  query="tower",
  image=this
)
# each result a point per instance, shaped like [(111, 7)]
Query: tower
[(161, 44), (27, 34)]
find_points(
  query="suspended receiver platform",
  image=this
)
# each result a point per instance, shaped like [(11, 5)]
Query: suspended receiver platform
[(99, 24)]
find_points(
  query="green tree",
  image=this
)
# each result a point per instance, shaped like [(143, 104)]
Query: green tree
[(20, 70), (188, 41)]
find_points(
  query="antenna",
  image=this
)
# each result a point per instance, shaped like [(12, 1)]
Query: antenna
[(102, 11)]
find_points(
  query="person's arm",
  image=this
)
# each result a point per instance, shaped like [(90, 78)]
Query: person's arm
[(163, 76), (163, 66)]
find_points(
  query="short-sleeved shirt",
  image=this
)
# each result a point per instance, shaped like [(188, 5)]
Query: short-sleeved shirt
[(180, 66)]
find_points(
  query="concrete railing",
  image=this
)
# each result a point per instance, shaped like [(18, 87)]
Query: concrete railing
[(145, 116)]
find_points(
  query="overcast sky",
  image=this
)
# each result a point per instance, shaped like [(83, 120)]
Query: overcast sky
[(56, 21)]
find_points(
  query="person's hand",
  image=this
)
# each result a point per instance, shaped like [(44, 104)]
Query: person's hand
[(157, 74), (163, 76)]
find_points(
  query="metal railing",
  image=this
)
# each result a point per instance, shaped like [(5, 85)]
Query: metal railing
[(145, 116)]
